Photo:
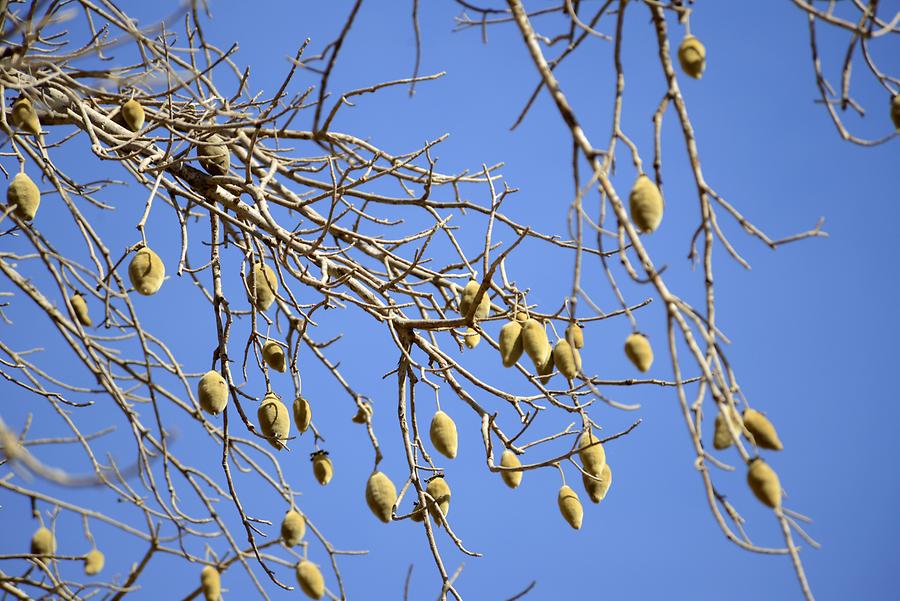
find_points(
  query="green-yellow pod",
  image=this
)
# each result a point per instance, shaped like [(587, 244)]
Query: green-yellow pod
[(293, 527), (43, 542), (274, 420), (323, 469), (763, 481), (722, 438), (211, 583), (262, 285), (646, 204), (443, 434), (565, 360), (467, 297), (214, 155), (692, 56), (146, 271), (310, 579), (302, 414), (418, 513), (440, 491), (381, 494), (273, 355), (472, 338), (570, 506), (79, 306), (895, 111), (593, 458), (510, 343), (764, 434), (545, 369), (510, 459), (24, 194), (133, 115), (597, 489), (639, 351), (25, 117), (575, 335), (363, 414), (535, 343), (212, 392), (94, 562)]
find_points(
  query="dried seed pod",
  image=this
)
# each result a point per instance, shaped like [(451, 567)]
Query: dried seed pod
[(262, 286), (133, 115), (472, 338), (692, 56), (363, 413), (564, 358), (596, 489), (322, 467), (94, 562), (310, 579), (214, 155), (302, 414), (440, 491), (211, 583), (591, 453), (575, 335), (381, 496), (418, 513), (638, 350), (274, 420), (443, 434), (764, 434), (763, 481), (43, 542), (509, 459), (510, 343), (146, 271), (646, 204), (895, 110), (25, 117), (79, 306), (273, 355), (212, 392), (293, 527), (570, 506), (535, 343), (722, 438), (23, 193)]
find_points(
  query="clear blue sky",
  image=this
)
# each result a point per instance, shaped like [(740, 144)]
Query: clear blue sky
[(813, 324)]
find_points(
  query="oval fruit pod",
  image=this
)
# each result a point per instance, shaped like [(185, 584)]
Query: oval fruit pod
[(722, 438), (509, 459), (211, 583), (570, 506), (418, 513), (593, 458), (293, 527), (322, 467), (510, 343), (575, 335), (764, 434), (133, 114), (443, 434), (472, 338), (895, 110), (24, 194), (146, 272), (273, 355), (43, 542), (646, 204), (302, 414), (25, 117), (79, 306), (597, 489), (262, 285), (764, 483), (274, 420), (94, 562), (639, 351), (440, 491), (467, 296), (692, 56), (363, 414), (212, 392), (381, 496), (214, 155), (535, 343), (564, 358), (310, 579), (545, 369)]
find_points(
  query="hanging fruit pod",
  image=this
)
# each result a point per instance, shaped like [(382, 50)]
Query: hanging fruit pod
[(597, 489), (439, 490), (722, 438), (214, 155), (310, 579), (94, 562), (639, 351), (381, 494), (25, 117), (146, 272), (43, 542), (24, 194), (443, 434), (570, 506), (133, 114), (322, 467), (274, 420), (293, 527), (591, 453), (764, 434), (575, 335), (211, 583), (511, 478), (273, 355), (302, 414), (646, 204), (262, 286), (764, 483), (511, 343), (79, 306), (212, 392), (692, 56), (566, 359)]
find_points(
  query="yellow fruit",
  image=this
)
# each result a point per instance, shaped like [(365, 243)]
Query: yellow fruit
[(310, 579), (575, 335), (764, 434), (536, 344), (521, 316), (211, 583), (23, 193), (381, 496), (895, 110), (43, 542), (764, 483), (212, 392), (417, 514), (24, 116), (468, 297), (440, 491), (322, 467), (133, 114), (564, 359), (263, 286), (509, 459), (273, 355), (274, 420), (79, 305), (293, 527), (593, 458), (302, 414), (692, 56), (511, 343), (596, 489), (94, 562), (646, 204), (146, 271), (570, 506), (472, 338), (638, 350), (363, 413), (443, 434), (722, 438), (214, 155)]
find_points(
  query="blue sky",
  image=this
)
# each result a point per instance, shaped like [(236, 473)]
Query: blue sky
[(812, 324)]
